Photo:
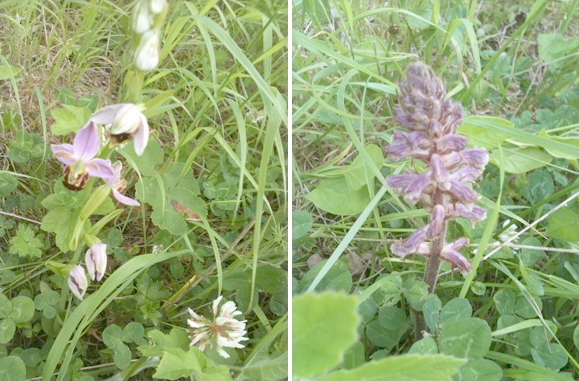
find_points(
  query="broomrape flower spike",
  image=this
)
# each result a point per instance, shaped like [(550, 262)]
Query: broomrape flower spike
[(77, 281), (126, 120), (96, 261), (430, 136), (79, 158), (222, 331)]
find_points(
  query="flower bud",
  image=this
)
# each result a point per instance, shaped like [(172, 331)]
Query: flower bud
[(77, 281), (96, 261), (147, 53)]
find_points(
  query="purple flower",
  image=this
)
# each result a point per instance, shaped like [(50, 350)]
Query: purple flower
[(118, 184), (126, 121), (430, 123), (79, 158)]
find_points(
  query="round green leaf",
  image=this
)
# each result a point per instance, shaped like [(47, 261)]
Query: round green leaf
[(22, 309), (456, 309), (338, 278), (133, 332), (530, 256), (112, 334), (7, 329), (382, 337), (550, 355), (391, 318), (564, 224), (122, 354), (467, 338), (539, 187), (479, 370), (425, 346), (31, 357), (324, 327), (505, 301), (12, 368), (431, 311), (524, 309), (5, 306)]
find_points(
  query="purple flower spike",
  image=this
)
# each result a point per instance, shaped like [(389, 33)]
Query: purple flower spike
[(126, 121), (79, 158), (118, 184), (430, 122)]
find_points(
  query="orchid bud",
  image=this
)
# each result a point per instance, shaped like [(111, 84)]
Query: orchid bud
[(77, 281), (147, 53), (96, 261)]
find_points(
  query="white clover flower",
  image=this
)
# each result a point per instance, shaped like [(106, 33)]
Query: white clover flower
[(509, 232), (222, 331)]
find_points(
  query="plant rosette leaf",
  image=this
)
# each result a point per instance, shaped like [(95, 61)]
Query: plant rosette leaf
[(8, 184), (325, 325), (301, 223), (465, 338)]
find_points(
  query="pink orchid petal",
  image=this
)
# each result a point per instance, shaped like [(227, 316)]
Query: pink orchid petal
[(124, 199), (86, 143), (141, 137), (100, 168), (107, 114), (64, 153)]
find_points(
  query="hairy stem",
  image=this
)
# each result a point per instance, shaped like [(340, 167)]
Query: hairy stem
[(433, 264)]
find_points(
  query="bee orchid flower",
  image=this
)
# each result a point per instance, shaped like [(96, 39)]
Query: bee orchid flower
[(118, 184), (79, 158), (126, 120)]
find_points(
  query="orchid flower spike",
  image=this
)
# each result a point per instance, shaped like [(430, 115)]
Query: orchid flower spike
[(77, 281), (126, 121), (79, 158), (96, 261), (118, 184)]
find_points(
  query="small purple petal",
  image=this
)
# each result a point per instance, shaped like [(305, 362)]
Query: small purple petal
[(456, 259), (86, 142), (476, 157), (100, 168), (413, 241), (64, 153), (449, 143), (416, 188), (436, 222), (462, 192), (473, 214), (400, 181), (124, 199), (439, 173), (467, 174)]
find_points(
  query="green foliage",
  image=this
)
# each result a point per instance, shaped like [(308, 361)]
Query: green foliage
[(12, 368), (325, 326), (26, 242)]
